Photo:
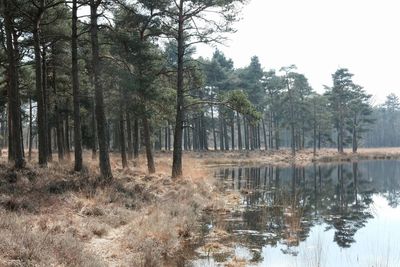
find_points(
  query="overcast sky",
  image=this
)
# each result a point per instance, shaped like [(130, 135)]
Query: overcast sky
[(320, 36)]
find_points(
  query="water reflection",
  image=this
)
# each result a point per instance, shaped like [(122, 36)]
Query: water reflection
[(280, 206)]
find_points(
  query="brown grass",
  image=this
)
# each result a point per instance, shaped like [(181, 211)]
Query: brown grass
[(284, 157), (53, 216)]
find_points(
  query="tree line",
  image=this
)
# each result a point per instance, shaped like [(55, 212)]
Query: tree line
[(125, 77)]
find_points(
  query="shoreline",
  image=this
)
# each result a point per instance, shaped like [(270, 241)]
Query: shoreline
[(284, 157)]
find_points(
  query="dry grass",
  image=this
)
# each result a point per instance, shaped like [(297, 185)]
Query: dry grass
[(284, 157), (56, 217)]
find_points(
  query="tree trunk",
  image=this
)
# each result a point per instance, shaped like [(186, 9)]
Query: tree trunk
[(2, 133), (258, 136), (46, 104), (159, 147), (122, 139), (129, 133), (340, 132), (169, 136), (277, 135), (94, 131), (180, 112), (41, 120), (166, 137), (270, 130), (59, 128), (246, 133), (76, 90), (190, 140), (355, 141), (265, 135), (13, 99), (315, 131), (293, 139), (221, 133), (240, 146), (147, 141), (11, 154), (233, 131), (104, 160), (185, 138), (30, 128), (251, 136), (136, 139), (226, 138), (213, 128), (204, 133), (66, 136)]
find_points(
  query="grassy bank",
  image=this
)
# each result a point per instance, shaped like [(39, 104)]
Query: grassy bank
[(55, 217), (285, 158)]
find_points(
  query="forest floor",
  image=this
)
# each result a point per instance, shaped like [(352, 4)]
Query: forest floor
[(56, 217)]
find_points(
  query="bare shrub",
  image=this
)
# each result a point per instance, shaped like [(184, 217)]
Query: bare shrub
[(23, 245)]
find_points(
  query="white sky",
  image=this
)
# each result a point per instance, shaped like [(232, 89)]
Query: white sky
[(320, 36)]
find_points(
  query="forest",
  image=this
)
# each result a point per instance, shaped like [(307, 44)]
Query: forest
[(126, 77), (122, 78)]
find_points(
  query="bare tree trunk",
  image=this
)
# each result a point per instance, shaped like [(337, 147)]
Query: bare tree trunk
[(246, 133), (185, 138), (129, 135), (221, 133), (147, 140), (76, 90), (169, 136), (180, 112), (233, 131), (41, 119), (270, 130), (2, 133), (136, 139), (213, 128), (204, 133), (104, 160), (13, 99), (59, 128), (190, 140), (240, 146), (341, 131), (277, 135), (94, 131), (166, 137), (265, 135), (66, 136), (11, 154), (315, 129), (251, 136), (46, 104), (122, 140), (30, 128), (226, 138), (355, 141)]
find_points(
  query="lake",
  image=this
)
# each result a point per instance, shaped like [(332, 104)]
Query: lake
[(319, 215)]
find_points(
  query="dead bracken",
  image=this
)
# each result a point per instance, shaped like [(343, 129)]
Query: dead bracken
[(56, 217)]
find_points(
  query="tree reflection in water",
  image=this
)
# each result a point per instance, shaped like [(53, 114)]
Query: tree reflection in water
[(281, 205)]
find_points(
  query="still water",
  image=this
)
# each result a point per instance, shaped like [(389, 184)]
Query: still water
[(319, 215)]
